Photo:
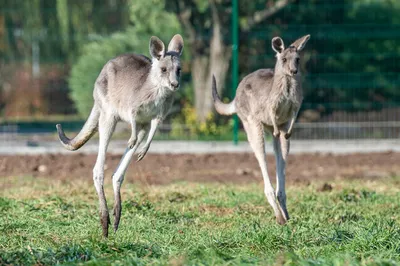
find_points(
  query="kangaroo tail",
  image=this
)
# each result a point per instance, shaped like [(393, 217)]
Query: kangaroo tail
[(88, 130), (222, 108)]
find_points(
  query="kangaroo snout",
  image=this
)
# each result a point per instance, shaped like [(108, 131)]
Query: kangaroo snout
[(293, 71), (175, 85)]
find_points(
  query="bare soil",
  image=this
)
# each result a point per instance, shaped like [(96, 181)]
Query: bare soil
[(223, 167)]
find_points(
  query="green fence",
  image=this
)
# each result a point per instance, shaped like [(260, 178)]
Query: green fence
[(351, 63)]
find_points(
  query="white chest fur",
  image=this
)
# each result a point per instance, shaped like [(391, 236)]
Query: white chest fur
[(149, 111), (287, 100)]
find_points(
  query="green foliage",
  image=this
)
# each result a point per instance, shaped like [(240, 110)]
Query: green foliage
[(58, 27), (351, 59), (85, 72), (47, 223), (63, 18), (208, 128), (149, 19)]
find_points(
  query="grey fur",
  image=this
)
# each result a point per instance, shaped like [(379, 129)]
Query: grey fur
[(135, 89), (270, 99)]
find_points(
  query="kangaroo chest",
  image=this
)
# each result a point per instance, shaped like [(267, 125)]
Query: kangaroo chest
[(148, 111), (287, 101)]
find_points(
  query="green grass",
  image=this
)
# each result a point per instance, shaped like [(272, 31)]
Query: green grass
[(45, 221)]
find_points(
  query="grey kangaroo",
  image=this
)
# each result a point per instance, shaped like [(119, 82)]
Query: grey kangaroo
[(135, 89), (270, 99)]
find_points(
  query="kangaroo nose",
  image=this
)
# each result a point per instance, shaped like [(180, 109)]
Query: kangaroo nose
[(294, 72), (175, 84)]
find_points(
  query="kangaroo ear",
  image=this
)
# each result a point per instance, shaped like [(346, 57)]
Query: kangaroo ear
[(157, 48), (301, 43), (277, 45), (176, 44)]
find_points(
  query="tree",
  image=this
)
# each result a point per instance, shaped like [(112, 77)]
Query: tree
[(59, 28), (207, 24), (46, 35), (353, 53)]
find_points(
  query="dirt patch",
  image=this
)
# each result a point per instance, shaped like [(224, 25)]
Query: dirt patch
[(224, 167)]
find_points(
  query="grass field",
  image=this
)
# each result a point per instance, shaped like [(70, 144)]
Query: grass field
[(46, 221)]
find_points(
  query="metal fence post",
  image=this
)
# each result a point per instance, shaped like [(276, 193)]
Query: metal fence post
[(235, 63)]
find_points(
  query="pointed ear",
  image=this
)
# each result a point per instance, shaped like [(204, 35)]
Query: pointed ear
[(176, 44), (157, 48), (277, 45), (301, 43)]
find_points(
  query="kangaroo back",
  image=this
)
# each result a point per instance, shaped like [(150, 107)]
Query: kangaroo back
[(222, 108)]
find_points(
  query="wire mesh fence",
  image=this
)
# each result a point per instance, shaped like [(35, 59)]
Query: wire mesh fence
[(351, 63)]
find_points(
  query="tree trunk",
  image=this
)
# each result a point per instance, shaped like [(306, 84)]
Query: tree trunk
[(216, 61), (205, 66)]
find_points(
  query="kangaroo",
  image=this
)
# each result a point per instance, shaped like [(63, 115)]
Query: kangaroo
[(270, 99), (135, 89)]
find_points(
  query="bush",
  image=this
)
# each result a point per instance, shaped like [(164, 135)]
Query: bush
[(209, 128), (85, 72)]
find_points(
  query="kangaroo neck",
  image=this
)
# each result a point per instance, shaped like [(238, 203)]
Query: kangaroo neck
[(285, 84), (153, 87)]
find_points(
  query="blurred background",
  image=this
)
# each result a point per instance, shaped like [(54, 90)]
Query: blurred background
[(51, 52)]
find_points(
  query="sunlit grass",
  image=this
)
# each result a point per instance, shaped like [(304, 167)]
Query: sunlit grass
[(47, 221)]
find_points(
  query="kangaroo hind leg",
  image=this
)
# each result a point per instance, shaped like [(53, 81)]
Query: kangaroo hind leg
[(281, 150), (118, 177), (106, 128), (255, 135)]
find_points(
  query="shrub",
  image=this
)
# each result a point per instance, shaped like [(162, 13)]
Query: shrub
[(209, 128), (85, 72)]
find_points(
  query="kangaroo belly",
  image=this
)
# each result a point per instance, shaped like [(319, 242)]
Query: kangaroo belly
[(284, 113), (144, 113)]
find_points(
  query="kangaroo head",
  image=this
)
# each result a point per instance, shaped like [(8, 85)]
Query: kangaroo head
[(287, 60), (166, 66)]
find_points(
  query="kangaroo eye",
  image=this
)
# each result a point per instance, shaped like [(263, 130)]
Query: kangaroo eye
[(179, 70), (297, 60), (163, 69), (284, 60)]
